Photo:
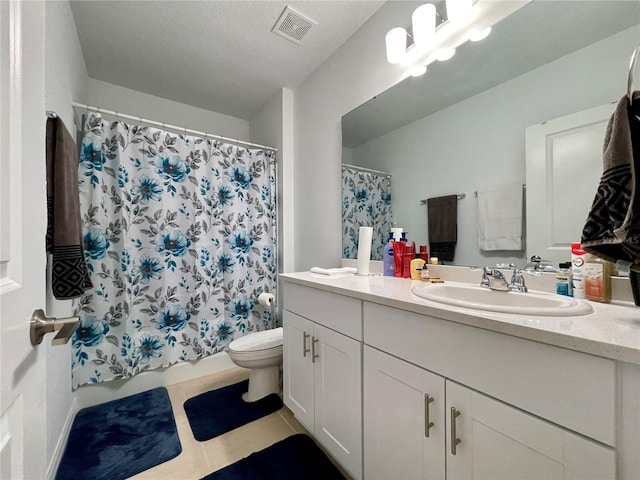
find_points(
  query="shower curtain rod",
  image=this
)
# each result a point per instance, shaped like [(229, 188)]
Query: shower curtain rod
[(363, 169), (197, 133)]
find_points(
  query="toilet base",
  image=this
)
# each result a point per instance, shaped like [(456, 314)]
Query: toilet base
[(262, 382)]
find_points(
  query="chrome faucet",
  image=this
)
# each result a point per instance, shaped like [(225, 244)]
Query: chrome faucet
[(493, 279), (517, 281)]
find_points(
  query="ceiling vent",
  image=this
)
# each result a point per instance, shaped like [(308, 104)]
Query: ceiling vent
[(292, 25)]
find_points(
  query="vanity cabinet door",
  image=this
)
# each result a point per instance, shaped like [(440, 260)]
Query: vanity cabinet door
[(487, 439), (298, 371), (404, 431), (338, 396)]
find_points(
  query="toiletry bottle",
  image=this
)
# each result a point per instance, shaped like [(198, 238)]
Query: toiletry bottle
[(577, 260), (417, 264), (389, 264), (564, 280), (424, 254), (398, 256), (597, 279), (424, 275)]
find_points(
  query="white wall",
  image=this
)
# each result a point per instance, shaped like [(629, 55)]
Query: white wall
[(351, 76), (131, 102), (480, 142), (273, 126), (65, 81)]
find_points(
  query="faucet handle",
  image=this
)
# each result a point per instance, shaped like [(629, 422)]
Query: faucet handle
[(507, 266)]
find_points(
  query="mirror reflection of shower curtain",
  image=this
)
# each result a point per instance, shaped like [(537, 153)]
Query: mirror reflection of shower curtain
[(366, 202), (180, 240)]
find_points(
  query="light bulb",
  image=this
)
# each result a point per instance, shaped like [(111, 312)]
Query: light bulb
[(477, 35), (445, 54), (423, 24), (459, 10), (418, 70), (396, 41)]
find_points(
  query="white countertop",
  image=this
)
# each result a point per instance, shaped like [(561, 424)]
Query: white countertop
[(611, 331)]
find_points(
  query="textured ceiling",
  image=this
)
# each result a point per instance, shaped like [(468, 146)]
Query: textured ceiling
[(217, 55), (538, 33)]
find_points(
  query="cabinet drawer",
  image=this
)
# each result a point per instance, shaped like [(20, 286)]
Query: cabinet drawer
[(337, 312), (569, 388)]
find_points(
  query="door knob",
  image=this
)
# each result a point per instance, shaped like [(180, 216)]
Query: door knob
[(41, 325)]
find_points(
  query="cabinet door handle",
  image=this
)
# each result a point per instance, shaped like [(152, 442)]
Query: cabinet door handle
[(314, 355), (305, 350), (454, 436), (427, 423)]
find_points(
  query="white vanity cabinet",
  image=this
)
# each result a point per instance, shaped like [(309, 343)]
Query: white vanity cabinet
[(322, 369), (404, 422), (487, 439), (475, 435), (418, 425)]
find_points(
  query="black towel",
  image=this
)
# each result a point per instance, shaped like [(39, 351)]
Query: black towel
[(442, 216), (612, 229), (69, 275)]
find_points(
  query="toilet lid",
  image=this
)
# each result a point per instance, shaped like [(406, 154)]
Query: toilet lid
[(258, 341)]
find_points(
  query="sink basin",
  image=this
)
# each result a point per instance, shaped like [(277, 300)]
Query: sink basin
[(480, 298)]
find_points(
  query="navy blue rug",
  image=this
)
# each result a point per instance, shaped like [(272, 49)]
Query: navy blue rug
[(118, 439), (295, 458), (220, 411)]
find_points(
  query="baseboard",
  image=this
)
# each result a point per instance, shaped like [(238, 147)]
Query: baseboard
[(62, 441), (88, 395)]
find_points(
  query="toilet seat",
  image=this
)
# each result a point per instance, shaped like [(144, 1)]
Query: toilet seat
[(258, 341)]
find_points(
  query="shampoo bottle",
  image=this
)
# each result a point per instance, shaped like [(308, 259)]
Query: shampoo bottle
[(564, 280), (577, 259)]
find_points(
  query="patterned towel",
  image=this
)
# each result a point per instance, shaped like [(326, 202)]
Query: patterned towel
[(612, 230), (69, 275)]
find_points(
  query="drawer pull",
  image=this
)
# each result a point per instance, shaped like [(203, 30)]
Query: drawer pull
[(314, 355), (427, 423), (454, 436), (305, 350)]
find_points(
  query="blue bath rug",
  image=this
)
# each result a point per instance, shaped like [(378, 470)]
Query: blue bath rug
[(294, 458), (118, 439), (220, 411)]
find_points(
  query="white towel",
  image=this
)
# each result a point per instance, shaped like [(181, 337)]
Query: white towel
[(500, 218), (333, 271)]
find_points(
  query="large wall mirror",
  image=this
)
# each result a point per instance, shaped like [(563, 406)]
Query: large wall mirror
[(461, 127)]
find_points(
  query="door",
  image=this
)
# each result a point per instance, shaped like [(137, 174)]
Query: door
[(489, 440), (404, 430), (338, 388), (298, 369), (563, 170), (22, 232)]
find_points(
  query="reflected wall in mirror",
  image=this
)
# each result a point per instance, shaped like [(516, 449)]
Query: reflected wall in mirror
[(461, 127)]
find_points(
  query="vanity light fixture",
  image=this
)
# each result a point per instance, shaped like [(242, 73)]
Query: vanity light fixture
[(477, 35), (466, 20), (445, 54)]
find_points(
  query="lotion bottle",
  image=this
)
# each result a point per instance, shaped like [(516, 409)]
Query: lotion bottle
[(389, 263)]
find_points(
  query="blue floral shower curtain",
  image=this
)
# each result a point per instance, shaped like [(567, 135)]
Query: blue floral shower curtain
[(179, 238), (366, 202)]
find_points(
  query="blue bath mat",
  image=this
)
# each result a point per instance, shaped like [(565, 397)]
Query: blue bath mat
[(121, 438), (220, 411), (294, 458)]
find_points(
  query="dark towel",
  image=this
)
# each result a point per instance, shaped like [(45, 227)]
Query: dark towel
[(69, 275), (442, 215), (612, 229)]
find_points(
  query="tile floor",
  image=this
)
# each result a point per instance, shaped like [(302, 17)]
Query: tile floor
[(201, 458)]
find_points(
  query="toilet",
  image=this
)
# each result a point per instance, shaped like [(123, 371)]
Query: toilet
[(262, 353)]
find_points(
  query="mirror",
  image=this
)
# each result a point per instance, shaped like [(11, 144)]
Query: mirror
[(461, 127)]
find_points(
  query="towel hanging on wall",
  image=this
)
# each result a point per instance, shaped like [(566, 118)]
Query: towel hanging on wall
[(69, 275), (612, 229), (442, 218), (500, 218)]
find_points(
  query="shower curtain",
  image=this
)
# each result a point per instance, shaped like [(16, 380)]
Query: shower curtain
[(179, 238), (366, 202)]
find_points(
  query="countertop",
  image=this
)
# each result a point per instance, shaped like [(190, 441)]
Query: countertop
[(610, 331)]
